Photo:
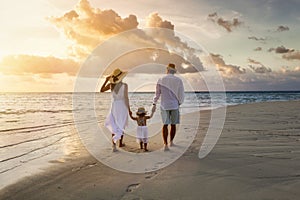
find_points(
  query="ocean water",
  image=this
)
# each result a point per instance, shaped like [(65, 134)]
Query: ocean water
[(38, 128)]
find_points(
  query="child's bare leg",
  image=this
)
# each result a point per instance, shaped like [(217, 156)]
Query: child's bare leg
[(145, 147), (141, 145)]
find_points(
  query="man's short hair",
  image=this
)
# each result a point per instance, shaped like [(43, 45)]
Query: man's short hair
[(171, 68)]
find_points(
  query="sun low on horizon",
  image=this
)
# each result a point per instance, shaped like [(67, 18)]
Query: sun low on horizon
[(254, 45)]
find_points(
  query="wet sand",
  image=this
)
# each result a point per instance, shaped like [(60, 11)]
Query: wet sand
[(256, 157)]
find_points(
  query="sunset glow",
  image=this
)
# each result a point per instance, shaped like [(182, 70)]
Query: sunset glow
[(252, 44)]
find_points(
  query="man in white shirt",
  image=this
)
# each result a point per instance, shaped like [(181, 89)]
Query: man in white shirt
[(170, 89)]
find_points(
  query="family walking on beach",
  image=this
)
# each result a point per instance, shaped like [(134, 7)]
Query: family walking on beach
[(171, 91)]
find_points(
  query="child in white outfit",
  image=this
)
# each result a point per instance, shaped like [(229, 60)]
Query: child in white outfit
[(142, 129)]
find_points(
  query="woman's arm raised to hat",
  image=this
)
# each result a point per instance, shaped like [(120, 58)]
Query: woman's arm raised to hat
[(105, 86)]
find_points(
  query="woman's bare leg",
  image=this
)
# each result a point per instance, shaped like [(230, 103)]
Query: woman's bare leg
[(113, 144), (121, 142)]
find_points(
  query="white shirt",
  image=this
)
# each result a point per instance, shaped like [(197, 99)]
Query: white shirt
[(171, 90)]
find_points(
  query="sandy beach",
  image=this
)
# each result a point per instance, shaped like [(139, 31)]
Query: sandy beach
[(256, 157)]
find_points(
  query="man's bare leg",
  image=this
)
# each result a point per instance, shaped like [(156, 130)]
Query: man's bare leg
[(165, 136), (172, 133)]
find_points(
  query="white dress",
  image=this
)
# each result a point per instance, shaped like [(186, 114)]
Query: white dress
[(117, 119)]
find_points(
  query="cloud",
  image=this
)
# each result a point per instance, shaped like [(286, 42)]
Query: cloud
[(36, 83), (294, 55), (264, 81), (287, 70), (149, 58), (45, 66), (257, 39), (226, 69), (253, 61), (288, 54), (87, 26), (290, 77), (155, 21), (227, 24), (281, 49), (258, 67), (258, 49), (283, 79), (282, 28)]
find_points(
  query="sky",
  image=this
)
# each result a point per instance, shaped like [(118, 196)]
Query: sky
[(253, 45)]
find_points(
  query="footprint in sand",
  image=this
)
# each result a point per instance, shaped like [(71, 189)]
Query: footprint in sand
[(150, 175), (132, 187)]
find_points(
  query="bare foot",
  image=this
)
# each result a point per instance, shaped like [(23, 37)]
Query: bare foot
[(114, 148), (172, 144), (166, 148), (122, 145)]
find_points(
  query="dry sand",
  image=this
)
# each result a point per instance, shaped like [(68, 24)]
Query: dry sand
[(256, 157)]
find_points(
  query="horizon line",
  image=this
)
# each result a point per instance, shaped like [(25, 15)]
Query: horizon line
[(199, 91)]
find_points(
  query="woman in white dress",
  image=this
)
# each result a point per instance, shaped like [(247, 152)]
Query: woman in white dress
[(117, 119)]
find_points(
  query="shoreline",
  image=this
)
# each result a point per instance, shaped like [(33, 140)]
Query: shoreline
[(258, 141)]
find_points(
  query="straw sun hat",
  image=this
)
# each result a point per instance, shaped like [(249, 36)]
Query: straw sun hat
[(141, 110), (117, 75)]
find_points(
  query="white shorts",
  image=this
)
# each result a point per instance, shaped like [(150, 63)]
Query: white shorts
[(142, 134)]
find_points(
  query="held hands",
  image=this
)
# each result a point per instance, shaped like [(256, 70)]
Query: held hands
[(153, 108)]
